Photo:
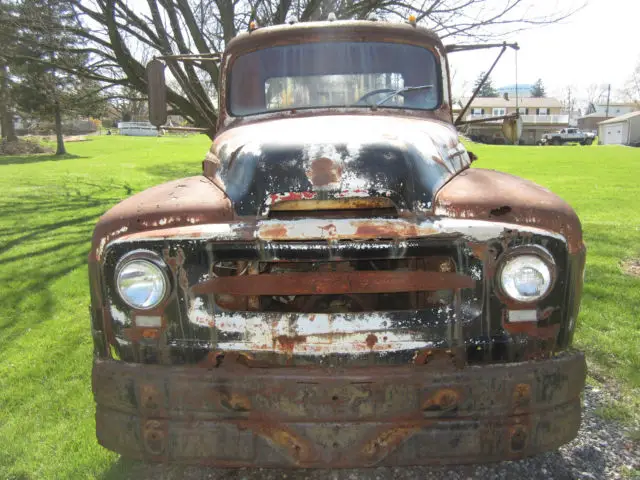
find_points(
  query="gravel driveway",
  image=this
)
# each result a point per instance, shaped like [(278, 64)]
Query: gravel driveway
[(602, 450)]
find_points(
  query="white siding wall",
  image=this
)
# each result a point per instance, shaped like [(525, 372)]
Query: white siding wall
[(634, 127), (613, 133), (615, 110)]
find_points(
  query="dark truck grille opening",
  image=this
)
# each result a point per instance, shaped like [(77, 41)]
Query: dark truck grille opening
[(346, 286), (356, 207), (390, 212)]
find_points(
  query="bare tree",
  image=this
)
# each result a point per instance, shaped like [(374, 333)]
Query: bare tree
[(118, 34), (632, 88), (595, 94)]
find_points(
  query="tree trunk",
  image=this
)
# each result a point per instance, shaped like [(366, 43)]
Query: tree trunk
[(60, 150), (6, 115)]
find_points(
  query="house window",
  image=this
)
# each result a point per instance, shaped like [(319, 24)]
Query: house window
[(542, 111), (523, 111), (477, 111), (499, 111)]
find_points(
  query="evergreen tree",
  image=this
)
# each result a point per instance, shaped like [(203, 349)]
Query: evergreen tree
[(537, 90), (45, 63), (7, 35), (487, 89)]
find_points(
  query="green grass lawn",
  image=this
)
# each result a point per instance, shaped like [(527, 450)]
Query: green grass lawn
[(48, 209)]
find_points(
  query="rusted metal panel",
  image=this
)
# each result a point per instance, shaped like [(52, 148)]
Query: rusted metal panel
[(188, 201), (337, 229), (311, 283), (238, 416), (489, 195), (349, 203), (324, 158), (337, 339), (321, 334), (283, 333)]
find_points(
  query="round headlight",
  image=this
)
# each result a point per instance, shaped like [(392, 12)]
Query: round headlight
[(141, 283), (525, 278)]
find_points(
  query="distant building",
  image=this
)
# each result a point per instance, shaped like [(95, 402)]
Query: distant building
[(589, 123), (616, 108), (524, 90), (539, 115), (622, 130)]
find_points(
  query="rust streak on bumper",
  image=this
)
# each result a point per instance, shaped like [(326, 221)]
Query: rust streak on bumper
[(315, 283), (401, 415)]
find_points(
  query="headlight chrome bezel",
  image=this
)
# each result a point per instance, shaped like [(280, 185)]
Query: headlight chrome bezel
[(151, 258), (526, 250)]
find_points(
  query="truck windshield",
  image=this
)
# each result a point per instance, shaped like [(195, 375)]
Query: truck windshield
[(334, 74)]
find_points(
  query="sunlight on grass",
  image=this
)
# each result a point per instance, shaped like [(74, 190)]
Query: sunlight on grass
[(49, 207), (602, 184), (48, 210)]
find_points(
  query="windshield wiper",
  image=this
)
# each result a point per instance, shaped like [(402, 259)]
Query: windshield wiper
[(403, 90)]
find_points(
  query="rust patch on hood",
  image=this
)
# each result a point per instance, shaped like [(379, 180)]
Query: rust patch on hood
[(381, 230), (324, 172), (188, 201), (475, 193), (288, 344), (276, 231)]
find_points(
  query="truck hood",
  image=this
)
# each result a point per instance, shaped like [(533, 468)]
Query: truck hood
[(336, 157)]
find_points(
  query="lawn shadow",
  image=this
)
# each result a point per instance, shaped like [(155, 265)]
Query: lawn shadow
[(45, 236), (36, 158), (175, 171)]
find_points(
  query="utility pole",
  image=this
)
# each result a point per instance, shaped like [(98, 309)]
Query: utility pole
[(569, 105), (608, 98)]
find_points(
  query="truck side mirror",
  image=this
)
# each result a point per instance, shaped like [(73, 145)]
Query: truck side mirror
[(157, 88)]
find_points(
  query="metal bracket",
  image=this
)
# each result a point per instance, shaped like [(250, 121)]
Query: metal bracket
[(196, 57), (489, 119), (459, 48)]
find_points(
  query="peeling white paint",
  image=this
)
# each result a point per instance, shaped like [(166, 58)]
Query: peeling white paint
[(315, 334), (340, 228), (198, 314), (106, 239)]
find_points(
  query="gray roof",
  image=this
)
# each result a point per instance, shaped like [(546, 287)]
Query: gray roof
[(621, 118), (596, 115)]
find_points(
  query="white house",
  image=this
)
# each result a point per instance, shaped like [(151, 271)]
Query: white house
[(616, 108), (622, 130), (539, 115)]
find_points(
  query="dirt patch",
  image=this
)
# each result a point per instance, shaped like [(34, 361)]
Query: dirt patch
[(76, 138), (23, 147), (632, 267)]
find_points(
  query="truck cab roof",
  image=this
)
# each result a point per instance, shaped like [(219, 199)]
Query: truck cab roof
[(365, 30)]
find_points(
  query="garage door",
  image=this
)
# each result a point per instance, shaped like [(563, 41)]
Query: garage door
[(613, 134)]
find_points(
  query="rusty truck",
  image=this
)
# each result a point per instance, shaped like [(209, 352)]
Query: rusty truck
[(337, 288)]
